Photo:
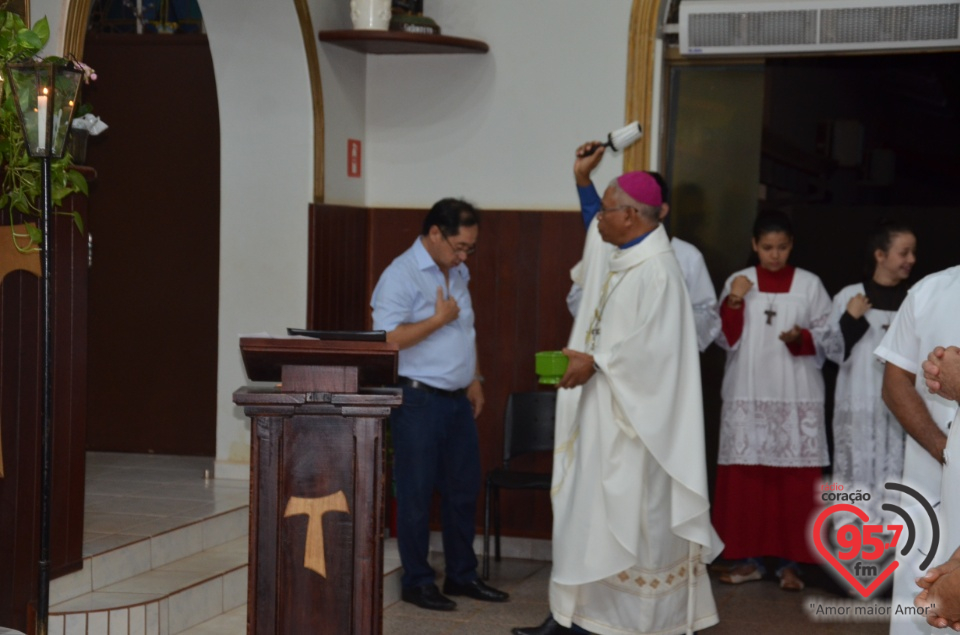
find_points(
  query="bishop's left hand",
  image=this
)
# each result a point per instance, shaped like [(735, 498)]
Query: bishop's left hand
[(579, 370)]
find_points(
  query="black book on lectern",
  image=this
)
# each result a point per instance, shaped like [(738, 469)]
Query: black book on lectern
[(350, 336)]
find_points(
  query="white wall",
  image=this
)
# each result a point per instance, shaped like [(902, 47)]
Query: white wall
[(343, 76), (266, 184), (56, 14), (498, 128)]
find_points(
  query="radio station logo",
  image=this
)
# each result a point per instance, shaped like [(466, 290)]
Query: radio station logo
[(864, 554)]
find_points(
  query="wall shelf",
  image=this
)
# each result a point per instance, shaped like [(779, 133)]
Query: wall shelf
[(401, 43)]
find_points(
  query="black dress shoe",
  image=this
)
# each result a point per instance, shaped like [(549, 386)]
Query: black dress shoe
[(549, 627), (428, 597), (476, 590)]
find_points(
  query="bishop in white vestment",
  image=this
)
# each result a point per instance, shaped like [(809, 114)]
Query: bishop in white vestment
[(632, 533), (703, 296)]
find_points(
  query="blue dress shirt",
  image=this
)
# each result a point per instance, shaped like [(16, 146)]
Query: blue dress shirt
[(590, 203), (406, 294)]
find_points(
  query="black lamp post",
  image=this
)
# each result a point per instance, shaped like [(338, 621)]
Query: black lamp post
[(45, 94)]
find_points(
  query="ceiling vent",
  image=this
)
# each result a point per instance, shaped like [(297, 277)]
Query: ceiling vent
[(746, 27)]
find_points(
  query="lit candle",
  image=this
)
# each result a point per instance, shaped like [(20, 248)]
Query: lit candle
[(42, 120)]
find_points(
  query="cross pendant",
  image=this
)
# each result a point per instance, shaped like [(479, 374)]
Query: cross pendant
[(770, 313), (885, 327)]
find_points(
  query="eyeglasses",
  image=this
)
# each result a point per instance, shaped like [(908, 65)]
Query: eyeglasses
[(605, 210), (466, 251)]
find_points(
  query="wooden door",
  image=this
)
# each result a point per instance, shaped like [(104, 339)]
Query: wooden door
[(154, 279)]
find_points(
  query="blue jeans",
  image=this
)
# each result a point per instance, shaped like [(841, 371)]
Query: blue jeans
[(436, 447)]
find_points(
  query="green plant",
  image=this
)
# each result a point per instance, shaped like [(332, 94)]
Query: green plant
[(20, 187)]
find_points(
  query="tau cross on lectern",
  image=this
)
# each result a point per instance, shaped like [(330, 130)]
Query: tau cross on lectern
[(770, 313)]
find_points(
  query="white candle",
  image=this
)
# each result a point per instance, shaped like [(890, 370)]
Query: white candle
[(42, 121)]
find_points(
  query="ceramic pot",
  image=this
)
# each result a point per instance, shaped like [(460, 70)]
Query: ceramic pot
[(370, 14)]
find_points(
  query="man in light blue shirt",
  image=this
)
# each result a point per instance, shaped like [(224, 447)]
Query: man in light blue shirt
[(423, 303)]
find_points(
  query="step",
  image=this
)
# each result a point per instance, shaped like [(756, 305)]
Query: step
[(186, 578), (160, 585)]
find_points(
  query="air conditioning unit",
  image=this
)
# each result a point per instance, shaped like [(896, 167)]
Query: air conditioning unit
[(746, 27)]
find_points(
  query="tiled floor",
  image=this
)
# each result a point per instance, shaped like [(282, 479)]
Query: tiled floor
[(132, 496), (759, 608)]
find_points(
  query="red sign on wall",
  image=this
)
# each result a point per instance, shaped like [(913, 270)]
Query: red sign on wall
[(353, 158)]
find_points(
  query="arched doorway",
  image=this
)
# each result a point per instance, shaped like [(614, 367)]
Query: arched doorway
[(233, 74), (154, 279)]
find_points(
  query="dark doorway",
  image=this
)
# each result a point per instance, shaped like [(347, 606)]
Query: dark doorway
[(852, 141), (836, 142), (869, 138), (155, 228)]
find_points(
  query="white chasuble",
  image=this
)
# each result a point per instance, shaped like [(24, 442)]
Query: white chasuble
[(867, 438), (703, 296), (773, 400), (632, 530)]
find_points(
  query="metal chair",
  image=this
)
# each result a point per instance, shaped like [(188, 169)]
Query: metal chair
[(527, 428)]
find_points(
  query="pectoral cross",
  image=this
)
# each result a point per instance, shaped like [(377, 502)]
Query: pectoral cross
[(885, 327), (770, 313)]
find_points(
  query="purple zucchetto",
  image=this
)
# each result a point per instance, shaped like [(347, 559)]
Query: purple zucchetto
[(641, 187)]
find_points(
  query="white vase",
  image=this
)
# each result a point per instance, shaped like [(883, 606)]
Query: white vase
[(370, 14)]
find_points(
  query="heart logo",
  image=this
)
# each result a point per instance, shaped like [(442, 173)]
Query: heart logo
[(832, 559)]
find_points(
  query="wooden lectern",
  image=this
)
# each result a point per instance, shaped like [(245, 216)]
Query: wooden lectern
[(317, 484)]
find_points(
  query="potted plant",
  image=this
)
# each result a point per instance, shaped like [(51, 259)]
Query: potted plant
[(20, 187)]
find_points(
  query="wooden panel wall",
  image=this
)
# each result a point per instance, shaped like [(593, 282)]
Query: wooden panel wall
[(337, 279), (519, 282), (20, 397), (154, 286)]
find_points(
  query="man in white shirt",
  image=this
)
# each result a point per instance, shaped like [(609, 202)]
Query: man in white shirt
[(926, 319), (941, 584)]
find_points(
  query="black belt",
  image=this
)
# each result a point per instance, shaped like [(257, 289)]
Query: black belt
[(419, 385)]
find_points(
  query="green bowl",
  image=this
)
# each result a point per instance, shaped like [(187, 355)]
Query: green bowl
[(550, 366)]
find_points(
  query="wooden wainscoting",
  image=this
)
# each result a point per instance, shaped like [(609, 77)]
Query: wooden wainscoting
[(519, 283), (20, 397)]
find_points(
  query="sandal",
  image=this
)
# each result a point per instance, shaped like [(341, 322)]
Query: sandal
[(790, 581), (741, 574)]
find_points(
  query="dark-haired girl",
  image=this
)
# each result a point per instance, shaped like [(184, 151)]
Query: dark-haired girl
[(775, 328), (868, 440)]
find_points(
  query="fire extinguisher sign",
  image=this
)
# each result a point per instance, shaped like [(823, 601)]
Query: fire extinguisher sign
[(353, 158)]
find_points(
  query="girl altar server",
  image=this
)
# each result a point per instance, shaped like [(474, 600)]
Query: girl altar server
[(868, 440), (773, 444)]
